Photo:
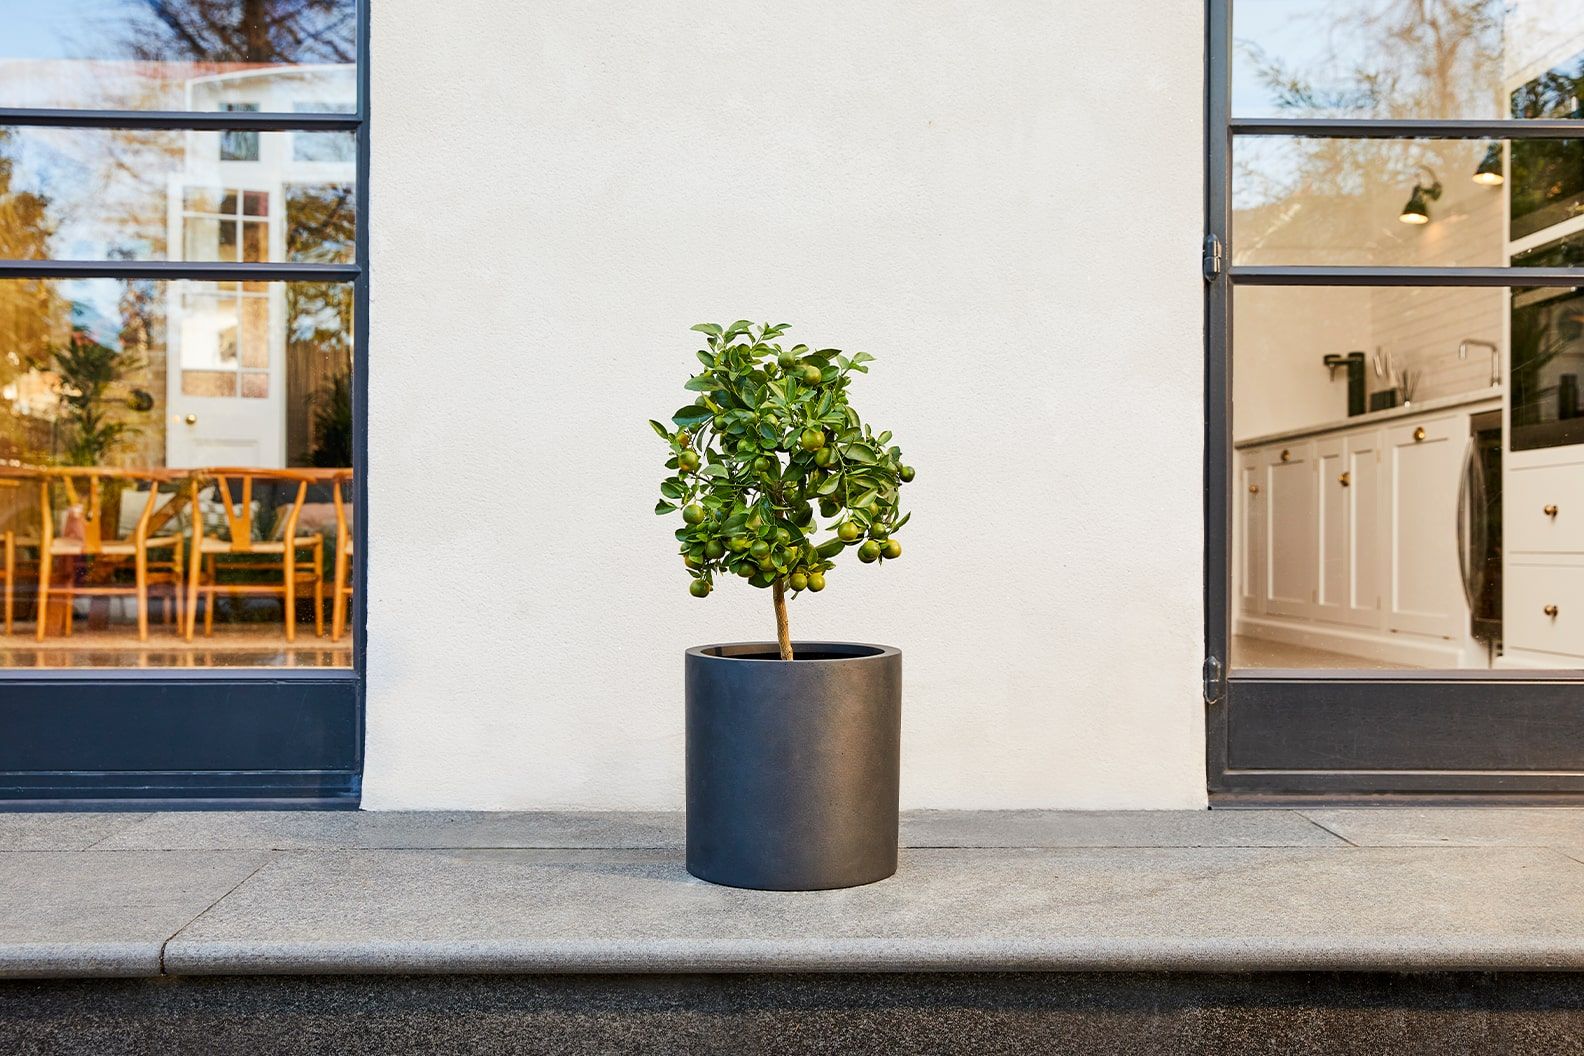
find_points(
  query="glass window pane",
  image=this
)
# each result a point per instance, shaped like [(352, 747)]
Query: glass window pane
[(1407, 203), (1387, 513), (94, 194), (1447, 59), (167, 390), (180, 55)]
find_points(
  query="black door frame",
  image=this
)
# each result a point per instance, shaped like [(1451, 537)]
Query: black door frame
[(1286, 737), (215, 738)]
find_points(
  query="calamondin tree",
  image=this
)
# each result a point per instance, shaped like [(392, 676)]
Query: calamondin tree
[(772, 469)]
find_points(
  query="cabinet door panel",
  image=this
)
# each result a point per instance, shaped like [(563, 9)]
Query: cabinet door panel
[(1333, 507), (1292, 542), (1251, 541), (1366, 529), (1425, 593)]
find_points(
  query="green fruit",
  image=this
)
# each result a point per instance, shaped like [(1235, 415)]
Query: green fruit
[(684, 437), (811, 440), (737, 544), (816, 581), (803, 517), (869, 551), (690, 561), (828, 508), (693, 513), (766, 564), (688, 461), (824, 456), (763, 464), (848, 532), (699, 588), (786, 361), (745, 570), (799, 581), (892, 549), (760, 548), (905, 473), (754, 521), (714, 550), (783, 536), (879, 530), (811, 375)]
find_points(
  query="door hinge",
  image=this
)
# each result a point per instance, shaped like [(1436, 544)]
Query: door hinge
[(1214, 259), (1214, 679)]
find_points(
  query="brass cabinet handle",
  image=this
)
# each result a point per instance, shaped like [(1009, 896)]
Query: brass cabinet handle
[(1346, 480), (1550, 511), (1286, 454), (191, 419), (1419, 434), (1253, 489), (1551, 611)]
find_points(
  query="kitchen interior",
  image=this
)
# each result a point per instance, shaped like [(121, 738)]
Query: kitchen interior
[(1409, 461)]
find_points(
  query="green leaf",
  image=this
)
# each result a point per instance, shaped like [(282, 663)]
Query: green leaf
[(901, 521), (691, 415), (714, 469), (830, 548), (706, 359), (665, 434), (829, 487), (861, 453), (713, 329), (701, 383), (866, 498), (862, 357), (672, 488), (761, 579), (663, 507)]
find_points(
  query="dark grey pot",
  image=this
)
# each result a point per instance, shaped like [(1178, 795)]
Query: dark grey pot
[(792, 767)]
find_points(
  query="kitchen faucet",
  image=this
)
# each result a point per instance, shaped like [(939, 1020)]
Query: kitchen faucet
[(1495, 365)]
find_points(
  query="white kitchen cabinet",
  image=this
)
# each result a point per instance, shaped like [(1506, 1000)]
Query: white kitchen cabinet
[(1331, 509), (1543, 611), (1365, 537), (1543, 576), (1424, 459), (1292, 530), (1251, 535)]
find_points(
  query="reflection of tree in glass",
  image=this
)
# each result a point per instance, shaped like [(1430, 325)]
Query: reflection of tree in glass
[(321, 222), (1392, 59), (1387, 59), (242, 31), (90, 375)]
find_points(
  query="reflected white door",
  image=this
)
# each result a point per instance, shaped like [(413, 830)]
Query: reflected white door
[(225, 380)]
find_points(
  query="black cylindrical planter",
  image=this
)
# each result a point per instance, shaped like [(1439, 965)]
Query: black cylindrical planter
[(792, 767)]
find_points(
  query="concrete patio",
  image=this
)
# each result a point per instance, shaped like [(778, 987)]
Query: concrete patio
[(145, 895)]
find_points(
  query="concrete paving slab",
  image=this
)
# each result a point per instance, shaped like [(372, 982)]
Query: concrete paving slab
[(60, 830), (1559, 827), (1112, 828), (1078, 909), (71, 913), (308, 830)]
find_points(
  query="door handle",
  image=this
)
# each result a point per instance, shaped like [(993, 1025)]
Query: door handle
[(1550, 511), (1346, 480), (1551, 611), (1465, 515)]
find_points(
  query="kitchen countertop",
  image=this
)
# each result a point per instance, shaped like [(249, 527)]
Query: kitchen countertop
[(1440, 403)]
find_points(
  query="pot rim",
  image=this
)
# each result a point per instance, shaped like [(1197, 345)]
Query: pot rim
[(869, 652)]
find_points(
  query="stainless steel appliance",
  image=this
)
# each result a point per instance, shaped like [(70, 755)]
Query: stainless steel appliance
[(1480, 527)]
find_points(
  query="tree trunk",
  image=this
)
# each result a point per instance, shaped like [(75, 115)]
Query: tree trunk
[(783, 634)]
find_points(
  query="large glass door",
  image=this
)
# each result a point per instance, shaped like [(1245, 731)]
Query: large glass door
[(183, 294), (1395, 271)]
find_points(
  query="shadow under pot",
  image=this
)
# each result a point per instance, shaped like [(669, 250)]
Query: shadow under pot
[(793, 766)]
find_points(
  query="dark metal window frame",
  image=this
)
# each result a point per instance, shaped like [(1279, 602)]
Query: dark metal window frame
[(1292, 736), (215, 737)]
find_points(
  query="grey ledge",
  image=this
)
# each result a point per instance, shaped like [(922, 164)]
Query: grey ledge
[(1190, 891)]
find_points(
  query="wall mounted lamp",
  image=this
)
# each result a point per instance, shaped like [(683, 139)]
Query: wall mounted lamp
[(1489, 173), (1417, 209)]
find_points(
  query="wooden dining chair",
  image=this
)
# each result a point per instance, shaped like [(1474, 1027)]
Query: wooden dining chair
[(234, 490), (342, 590), (84, 537), (8, 543)]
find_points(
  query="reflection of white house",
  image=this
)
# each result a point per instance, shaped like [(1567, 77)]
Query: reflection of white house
[(232, 200)]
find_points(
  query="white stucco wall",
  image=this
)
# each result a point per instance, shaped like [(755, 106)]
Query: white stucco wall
[(1001, 200)]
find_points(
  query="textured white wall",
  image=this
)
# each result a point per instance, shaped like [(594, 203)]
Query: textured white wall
[(1000, 200)]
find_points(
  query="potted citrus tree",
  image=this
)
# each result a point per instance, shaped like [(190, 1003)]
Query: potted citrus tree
[(793, 748)]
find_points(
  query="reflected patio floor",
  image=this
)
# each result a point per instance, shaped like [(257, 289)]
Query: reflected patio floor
[(234, 645)]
